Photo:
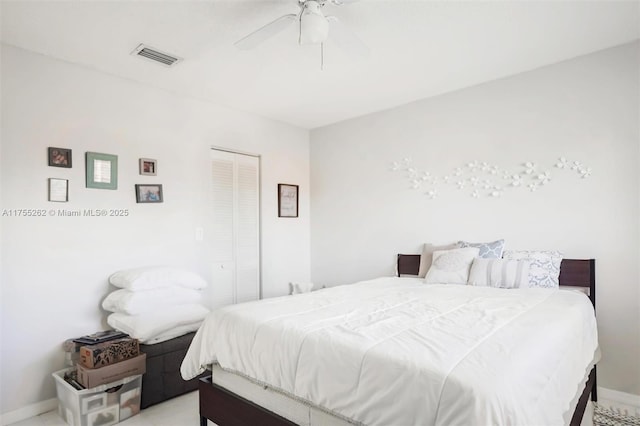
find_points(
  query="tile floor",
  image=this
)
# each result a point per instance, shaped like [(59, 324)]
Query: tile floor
[(180, 411)]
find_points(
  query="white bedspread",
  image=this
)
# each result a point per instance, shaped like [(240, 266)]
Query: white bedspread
[(396, 351)]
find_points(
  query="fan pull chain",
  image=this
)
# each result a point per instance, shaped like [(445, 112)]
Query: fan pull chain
[(321, 56)]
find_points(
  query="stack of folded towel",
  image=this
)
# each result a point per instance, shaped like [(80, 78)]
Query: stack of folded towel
[(154, 304)]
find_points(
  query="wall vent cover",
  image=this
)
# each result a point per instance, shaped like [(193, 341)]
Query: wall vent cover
[(155, 55)]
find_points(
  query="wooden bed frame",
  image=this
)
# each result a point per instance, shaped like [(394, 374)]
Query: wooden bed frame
[(226, 408)]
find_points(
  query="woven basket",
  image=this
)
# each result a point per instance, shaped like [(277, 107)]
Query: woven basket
[(605, 417)]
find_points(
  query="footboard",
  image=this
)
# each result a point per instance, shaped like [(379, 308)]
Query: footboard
[(225, 408)]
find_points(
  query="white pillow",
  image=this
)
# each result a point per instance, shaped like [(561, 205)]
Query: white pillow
[(544, 269), (426, 258), (299, 288), (499, 273), (150, 277), (138, 302), (181, 330), (148, 326), (451, 266)]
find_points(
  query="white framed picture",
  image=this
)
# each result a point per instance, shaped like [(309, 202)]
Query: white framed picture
[(148, 166), (58, 190)]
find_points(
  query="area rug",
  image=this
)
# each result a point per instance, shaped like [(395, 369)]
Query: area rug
[(603, 416)]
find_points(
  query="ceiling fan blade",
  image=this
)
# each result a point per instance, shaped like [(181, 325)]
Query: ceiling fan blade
[(262, 34), (340, 2), (346, 39)]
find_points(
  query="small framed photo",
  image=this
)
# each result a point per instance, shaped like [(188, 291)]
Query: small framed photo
[(146, 193), (102, 170), (59, 157), (148, 167), (59, 190), (287, 200)]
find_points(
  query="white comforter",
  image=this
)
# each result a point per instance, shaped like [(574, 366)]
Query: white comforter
[(396, 351)]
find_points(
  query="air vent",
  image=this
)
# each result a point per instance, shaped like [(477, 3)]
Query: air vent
[(155, 55)]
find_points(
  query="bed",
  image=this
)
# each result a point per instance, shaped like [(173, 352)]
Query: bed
[(396, 351)]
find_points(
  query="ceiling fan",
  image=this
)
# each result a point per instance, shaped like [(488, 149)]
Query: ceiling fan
[(313, 28)]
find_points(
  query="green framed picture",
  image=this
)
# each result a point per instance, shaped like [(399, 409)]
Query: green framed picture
[(102, 170)]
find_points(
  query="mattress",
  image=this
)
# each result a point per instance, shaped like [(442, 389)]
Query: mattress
[(306, 414), (444, 354), (298, 411)]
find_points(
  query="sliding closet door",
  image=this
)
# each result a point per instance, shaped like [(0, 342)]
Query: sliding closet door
[(235, 228)]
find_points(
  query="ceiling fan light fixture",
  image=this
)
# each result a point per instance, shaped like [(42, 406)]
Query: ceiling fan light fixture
[(314, 27)]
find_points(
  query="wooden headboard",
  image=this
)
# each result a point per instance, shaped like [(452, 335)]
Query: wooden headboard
[(573, 272)]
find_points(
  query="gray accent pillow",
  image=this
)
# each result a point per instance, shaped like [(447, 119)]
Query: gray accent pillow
[(491, 250), (501, 273)]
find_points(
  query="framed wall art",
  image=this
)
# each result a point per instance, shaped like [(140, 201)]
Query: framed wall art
[(149, 193), (287, 200), (59, 157), (102, 170), (58, 190), (148, 167)]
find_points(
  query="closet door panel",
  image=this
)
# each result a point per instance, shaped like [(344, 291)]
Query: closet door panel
[(236, 228), (247, 230), (222, 234)]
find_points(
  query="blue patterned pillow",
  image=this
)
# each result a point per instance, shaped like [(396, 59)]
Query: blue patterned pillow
[(491, 250), (544, 269)]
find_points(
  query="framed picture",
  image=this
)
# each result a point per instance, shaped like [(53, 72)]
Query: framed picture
[(148, 193), (287, 200), (102, 170), (59, 157), (148, 167), (59, 190)]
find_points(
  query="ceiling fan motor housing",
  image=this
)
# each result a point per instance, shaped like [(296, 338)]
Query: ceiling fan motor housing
[(314, 27)]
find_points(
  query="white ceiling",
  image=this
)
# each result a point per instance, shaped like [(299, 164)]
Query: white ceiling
[(418, 48)]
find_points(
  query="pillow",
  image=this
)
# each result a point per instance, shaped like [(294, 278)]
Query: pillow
[(151, 277), (487, 250), (178, 331), (151, 325), (138, 302), (299, 288), (544, 269), (426, 258), (451, 266), (499, 273)]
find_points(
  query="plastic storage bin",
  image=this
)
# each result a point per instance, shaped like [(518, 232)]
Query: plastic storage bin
[(103, 405)]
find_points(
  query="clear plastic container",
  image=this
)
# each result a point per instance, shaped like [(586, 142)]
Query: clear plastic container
[(103, 405)]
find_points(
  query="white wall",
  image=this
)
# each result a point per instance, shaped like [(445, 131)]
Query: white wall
[(55, 269), (585, 109)]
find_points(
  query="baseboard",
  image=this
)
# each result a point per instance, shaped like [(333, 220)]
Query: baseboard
[(619, 401), (29, 411)]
